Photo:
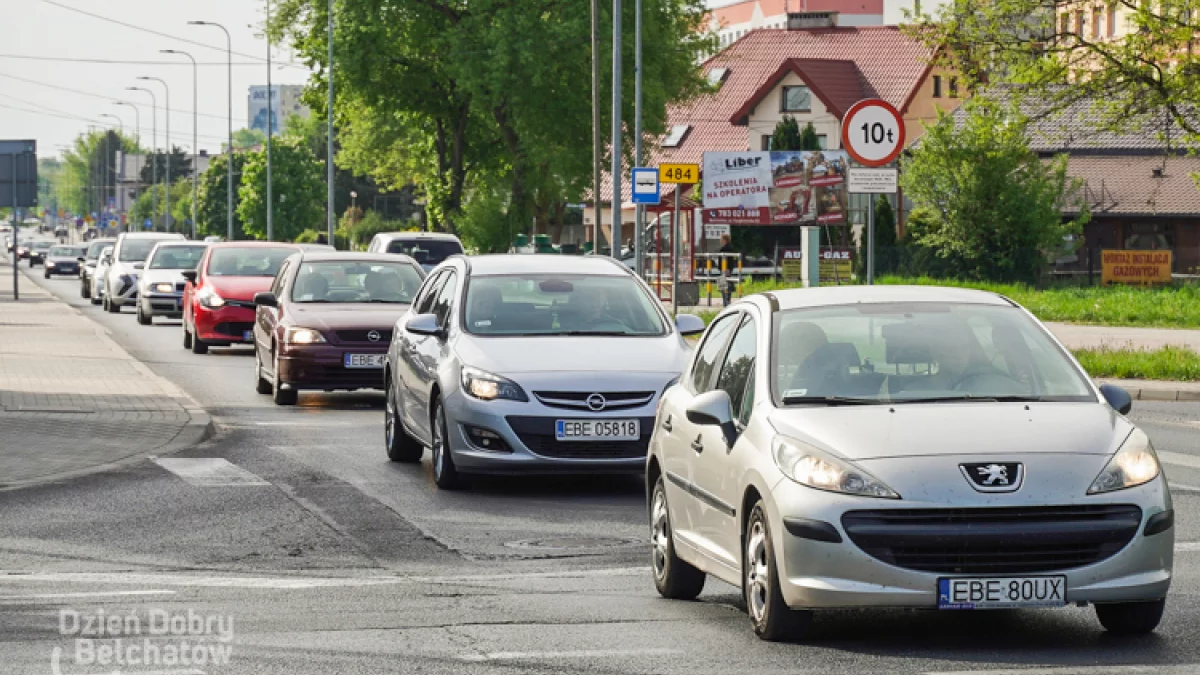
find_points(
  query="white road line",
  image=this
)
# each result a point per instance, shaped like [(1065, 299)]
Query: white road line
[(209, 472), (1187, 546), (1188, 669), (1179, 459), (1177, 487), (577, 654), (98, 594)]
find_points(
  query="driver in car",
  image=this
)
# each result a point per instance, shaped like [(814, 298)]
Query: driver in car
[(589, 304)]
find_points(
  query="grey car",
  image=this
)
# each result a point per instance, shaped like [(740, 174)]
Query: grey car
[(515, 364), (160, 286), (88, 268), (905, 447), (128, 259)]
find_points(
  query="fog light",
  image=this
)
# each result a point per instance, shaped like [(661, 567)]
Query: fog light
[(486, 439)]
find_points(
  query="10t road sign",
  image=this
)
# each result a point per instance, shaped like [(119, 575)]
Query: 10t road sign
[(873, 132)]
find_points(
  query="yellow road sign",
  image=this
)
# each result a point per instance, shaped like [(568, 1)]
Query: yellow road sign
[(679, 173)]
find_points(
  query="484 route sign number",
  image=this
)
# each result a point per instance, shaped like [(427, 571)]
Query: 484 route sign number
[(873, 132)]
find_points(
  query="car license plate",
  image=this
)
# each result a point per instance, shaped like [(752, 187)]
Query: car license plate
[(364, 360), (597, 430), (247, 335), (1001, 592)]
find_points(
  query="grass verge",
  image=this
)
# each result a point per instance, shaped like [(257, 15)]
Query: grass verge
[(1178, 364)]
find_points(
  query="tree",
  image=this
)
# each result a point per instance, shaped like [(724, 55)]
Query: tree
[(181, 166), (994, 207), (212, 203), (88, 175), (149, 206), (248, 139), (298, 192), (786, 135), (808, 138), (886, 253), (1145, 73)]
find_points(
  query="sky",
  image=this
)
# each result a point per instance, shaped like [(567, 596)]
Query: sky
[(35, 103)]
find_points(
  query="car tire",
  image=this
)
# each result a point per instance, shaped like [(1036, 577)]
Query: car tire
[(95, 300), (400, 446), (85, 289), (283, 396), (445, 474), (1131, 618), (770, 616), (187, 337), (198, 345), (262, 385), (673, 577), (110, 306), (46, 274), (142, 317)]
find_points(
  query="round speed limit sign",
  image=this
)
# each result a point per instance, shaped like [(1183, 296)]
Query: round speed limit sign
[(873, 132)]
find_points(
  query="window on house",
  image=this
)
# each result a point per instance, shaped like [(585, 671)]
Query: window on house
[(954, 87), (937, 86), (797, 99), (1064, 23), (676, 136), (1079, 22), (822, 141), (766, 143), (1096, 22), (1111, 24)]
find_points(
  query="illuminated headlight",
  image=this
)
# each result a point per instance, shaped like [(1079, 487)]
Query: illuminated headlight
[(164, 288), (209, 298), (488, 386), (303, 336), (49, 263), (1134, 464), (808, 466)]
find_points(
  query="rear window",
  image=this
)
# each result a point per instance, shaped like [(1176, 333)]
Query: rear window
[(425, 251), (257, 261), (177, 258), (136, 250), (94, 250)]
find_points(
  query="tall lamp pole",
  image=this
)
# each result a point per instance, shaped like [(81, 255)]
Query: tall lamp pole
[(121, 125), (229, 150), (329, 133), (270, 131), (616, 133), (640, 216), (153, 135), (596, 149), (137, 123), (195, 137), (167, 154)]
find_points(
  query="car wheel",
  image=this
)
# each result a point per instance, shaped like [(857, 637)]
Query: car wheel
[(85, 290), (95, 299), (187, 337), (110, 305), (674, 578), (400, 446), (198, 346), (263, 385), (1131, 618), (142, 317), (283, 396), (445, 474), (772, 619), (46, 274)]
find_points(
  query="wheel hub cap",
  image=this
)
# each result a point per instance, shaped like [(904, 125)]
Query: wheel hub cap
[(660, 533), (758, 580)]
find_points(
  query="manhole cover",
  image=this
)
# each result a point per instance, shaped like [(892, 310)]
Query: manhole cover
[(573, 543)]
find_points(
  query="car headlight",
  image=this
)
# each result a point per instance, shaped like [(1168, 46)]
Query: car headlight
[(816, 469), (1134, 464), (209, 298), (164, 288), (303, 336), (489, 386), (49, 263)]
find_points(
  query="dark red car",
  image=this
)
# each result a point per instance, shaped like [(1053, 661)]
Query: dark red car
[(326, 322), (218, 301)]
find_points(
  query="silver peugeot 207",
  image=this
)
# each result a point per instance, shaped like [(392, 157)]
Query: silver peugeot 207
[(903, 447), (530, 364)]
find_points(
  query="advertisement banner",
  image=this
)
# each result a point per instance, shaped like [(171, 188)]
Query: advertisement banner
[(836, 265), (1135, 267), (791, 260), (258, 108), (775, 188)]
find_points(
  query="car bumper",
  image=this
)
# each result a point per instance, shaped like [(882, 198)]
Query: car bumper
[(162, 304), (59, 268), (324, 367), (122, 292), (230, 324), (822, 574)]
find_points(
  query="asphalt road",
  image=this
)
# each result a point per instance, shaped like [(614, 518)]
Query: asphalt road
[(331, 559)]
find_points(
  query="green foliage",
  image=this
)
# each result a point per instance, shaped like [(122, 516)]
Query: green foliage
[(1168, 363), (808, 138), (359, 229), (993, 206), (483, 224), (249, 139), (150, 205), (180, 161), (212, 206), (887, 255), (89, 171), (786, 135), (297, 190)]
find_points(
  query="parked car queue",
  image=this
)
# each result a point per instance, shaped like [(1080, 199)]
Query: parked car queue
[(792, 453)]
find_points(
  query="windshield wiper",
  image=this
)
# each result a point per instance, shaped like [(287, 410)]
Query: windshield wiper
[(591, 332), (831, 400), (959, 398)]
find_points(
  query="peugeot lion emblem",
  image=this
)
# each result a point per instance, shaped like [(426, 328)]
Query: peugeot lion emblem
[(374, 336), (994, 476), (596, 402)]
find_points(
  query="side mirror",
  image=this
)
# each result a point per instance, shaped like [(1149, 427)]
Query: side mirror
[(713, 408), (689, 324), (266, 299), (106, 260), (1118, 398), (424, 324), (81, 259), (190, 275)]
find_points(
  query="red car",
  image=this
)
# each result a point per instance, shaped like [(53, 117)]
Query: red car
[(218, 301)]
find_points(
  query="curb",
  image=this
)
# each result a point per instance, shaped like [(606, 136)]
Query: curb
[(1154, 391), (199, 428)]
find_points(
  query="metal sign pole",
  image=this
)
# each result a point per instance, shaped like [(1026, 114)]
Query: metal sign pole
[(16, 229), (871, 241), (675, 254)]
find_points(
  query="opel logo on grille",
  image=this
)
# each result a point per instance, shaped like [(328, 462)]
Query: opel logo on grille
[(596, 402), (374, 336)]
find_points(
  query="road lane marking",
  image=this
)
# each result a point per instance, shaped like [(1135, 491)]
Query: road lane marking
[(1179, 459), (1187, 546), (1179, 487), (97, 594), (209, 472), (1181, 669), (576, 654)]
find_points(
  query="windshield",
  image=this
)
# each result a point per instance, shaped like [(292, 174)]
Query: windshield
[(136, 250), (356, 281), (41, 245), (919, 351), (95, 248), (65, 252), (425, 252), (538, 304), (177, 257), (256, 261)]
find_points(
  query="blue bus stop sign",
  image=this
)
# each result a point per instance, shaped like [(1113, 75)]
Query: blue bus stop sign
[(148, 224), (645, 186)]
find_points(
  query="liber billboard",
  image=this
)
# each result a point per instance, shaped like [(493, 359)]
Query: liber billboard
[(775, 188)]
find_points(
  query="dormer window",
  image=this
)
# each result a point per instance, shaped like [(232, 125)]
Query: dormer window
[(797, 99)]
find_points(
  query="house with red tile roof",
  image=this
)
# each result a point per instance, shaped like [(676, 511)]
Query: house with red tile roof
[(732, 20)]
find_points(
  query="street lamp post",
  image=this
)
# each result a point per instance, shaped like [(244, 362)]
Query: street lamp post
[(153, 133), (195, 137), (329, 132), (229, 150), (167, 154), (270, 132), (137, 123), (121, 175)]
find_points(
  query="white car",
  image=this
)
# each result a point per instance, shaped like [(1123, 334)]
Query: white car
[(99, 276), (129, 256), (160, 286), (429, 249), (872, 446)]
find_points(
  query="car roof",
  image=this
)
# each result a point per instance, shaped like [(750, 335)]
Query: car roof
[(167, 243), (171, 236), (335, 256), (434, 236), (255, 243), (545, 263), (799, 298)]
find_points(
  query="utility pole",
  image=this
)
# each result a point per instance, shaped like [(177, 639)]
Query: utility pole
[(615, 242), (137, 123), (332, 215), (597, 150), (270, 131), (166, 155), (195, 138), (153, 137), (229, 157), (639, 217)]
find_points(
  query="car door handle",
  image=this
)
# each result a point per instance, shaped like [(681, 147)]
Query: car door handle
[(666, 425), (697, 445)]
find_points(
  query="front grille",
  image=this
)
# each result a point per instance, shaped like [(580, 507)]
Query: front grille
[(234, 327), (180, 286), (537, 433), (577, 400), (349, 336), (994, 541), (248, 304), (344, 377)]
